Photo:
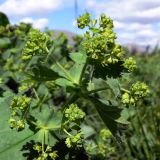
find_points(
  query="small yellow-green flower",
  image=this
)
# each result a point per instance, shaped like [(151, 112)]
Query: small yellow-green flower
[(36, 44), (83, 20), (74, 113), (130, 64)]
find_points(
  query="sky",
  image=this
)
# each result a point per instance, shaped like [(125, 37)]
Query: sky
[(135, 21)]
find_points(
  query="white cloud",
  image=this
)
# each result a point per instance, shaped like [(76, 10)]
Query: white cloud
[(139, 26), (27, 20), (146, 33), (119, 25), (158, 24), (29, 7), (127, 10), (132, 26), (142, 37), (40, 23), (74, 23)]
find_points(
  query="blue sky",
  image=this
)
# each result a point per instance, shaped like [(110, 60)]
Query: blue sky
[(135, 21)]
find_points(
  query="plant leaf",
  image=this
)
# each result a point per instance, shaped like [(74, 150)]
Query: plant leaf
[(114, 85), (4, 43), (109, 115), (12, 142), (78, 57), (64, 82), (79, 62), (42, 73), (112, 70)]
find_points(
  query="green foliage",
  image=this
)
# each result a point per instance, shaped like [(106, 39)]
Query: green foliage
[(4, 43), (65, 102), (3, 19), (42, 73), (142, 140)]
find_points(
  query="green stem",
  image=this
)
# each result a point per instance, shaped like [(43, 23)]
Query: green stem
[(59, 65), (43, 142), (34, 123), (67, 132), (50, 128), (36, 94), (97, 90), (64, 71), (49, 53), (42, 101), (125, 90), (83, 72), (25, 113)]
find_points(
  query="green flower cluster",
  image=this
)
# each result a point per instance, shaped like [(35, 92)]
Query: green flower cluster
[(19, 125), (102, 149), (48, 153), (74, 140), (22, 29), (130, 64), (23, 88), (74, 113), (138, 91), (36, 45), (9, 65), (105, 22), (19, 109), (103, 146), (83, 20), (105, 134), (74, 117), (127, 99), (90, 146), (16, 30), (99, 43), (20, 102)]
